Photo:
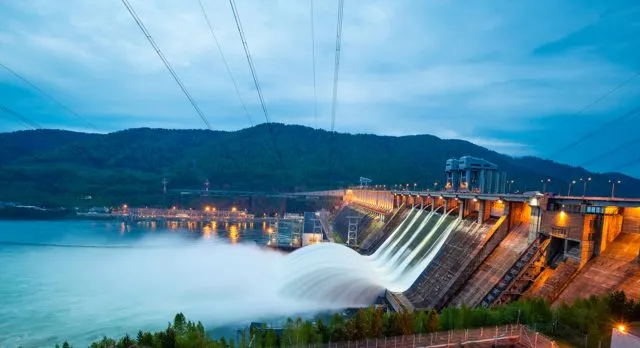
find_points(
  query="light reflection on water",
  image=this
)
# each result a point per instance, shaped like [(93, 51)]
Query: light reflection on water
[(51, 294)]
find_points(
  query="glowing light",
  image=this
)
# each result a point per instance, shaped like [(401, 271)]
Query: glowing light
[(234, 209), (475, 199), (125, 206), (622, 328), (174, 207), (207, 208), (233, 234)]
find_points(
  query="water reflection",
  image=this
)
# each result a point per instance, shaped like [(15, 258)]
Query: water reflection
[(234, 232)]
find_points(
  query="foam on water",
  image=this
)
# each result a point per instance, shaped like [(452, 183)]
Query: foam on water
[(80, 294), (53, 294)]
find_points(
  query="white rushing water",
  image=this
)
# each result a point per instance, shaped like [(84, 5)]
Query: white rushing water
[(51, 294), (326, 271)]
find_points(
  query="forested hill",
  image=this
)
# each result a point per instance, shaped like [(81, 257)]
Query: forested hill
[(52, 167)]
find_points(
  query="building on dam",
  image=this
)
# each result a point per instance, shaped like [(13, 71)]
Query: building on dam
[(472, 174), (472, 244)]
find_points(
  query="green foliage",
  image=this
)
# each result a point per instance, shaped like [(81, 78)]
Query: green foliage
[(48, 167), (583, 321)]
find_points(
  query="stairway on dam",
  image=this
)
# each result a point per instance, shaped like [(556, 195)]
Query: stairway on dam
[(451, 261), (493, 269), (616, 268), (552, 280), (367, 222), (374, 240)]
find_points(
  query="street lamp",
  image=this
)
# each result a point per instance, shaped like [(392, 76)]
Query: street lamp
[(544, 185), (572, 182), (584, 182), (415, 185), (510, 182), (435, 185), (613, 186)]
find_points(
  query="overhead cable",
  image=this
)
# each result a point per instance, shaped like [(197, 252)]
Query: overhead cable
[(313, 60), (165, 61), (588, 106), (224, 60), (48, 96), (23, 119), (337, 64)]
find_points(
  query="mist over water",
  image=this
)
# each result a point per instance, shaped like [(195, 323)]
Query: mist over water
[(51, 294), (139, 279)]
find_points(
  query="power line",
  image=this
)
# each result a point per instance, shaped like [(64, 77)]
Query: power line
[(313, 59), (610, 152), (25, 120), (630, 113), (337, 64), (236, 16), (47, 95), (627, 164), (588, 106), (335, 88), (165, 61), (224, 60)]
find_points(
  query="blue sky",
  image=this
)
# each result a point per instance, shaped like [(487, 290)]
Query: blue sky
[(507, 75)]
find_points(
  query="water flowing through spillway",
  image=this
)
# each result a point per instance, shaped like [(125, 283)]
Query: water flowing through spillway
[(58, 292), (330, 270)]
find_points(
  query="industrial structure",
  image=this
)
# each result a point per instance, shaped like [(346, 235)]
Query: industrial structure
[(470, 174), (529, 244)]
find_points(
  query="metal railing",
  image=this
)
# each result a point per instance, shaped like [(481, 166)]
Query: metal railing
[(488, 336)]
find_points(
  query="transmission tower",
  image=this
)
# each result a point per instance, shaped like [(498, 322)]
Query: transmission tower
[(296, 233), (317, 228), (352, 230), (364, 182)]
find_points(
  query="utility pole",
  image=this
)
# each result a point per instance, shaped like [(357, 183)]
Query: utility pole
[(164, 186), (613, 186), (584, 183), (572, 182), (544, 185)]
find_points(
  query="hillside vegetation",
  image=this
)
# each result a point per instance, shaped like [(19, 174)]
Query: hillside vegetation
[(53, 167)]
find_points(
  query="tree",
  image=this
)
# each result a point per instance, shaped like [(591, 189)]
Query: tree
[(433, 322), (377, 323)]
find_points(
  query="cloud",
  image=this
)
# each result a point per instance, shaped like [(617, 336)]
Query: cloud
[(500, 74)]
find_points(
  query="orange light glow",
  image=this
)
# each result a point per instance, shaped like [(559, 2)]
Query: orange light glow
[(234, 209), (622, 328), (207, 208), (233, 234)]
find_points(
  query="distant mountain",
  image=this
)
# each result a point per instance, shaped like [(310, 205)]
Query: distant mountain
[(53, 167)]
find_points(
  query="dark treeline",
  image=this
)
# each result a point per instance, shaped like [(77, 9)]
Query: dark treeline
[(584, 322), (53, 168)]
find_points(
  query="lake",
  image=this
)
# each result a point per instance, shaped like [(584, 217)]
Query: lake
[(80, 280)]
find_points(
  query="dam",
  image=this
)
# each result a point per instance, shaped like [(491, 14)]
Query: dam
[(477, 247)]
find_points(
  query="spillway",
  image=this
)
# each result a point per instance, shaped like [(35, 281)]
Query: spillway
[(334, 271)]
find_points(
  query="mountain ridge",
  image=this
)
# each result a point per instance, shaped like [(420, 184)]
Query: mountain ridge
[(49, 166)]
